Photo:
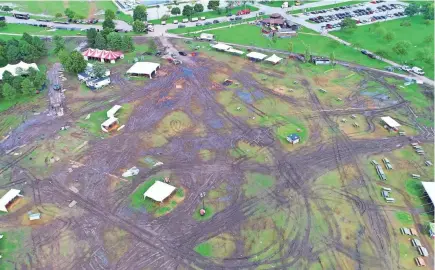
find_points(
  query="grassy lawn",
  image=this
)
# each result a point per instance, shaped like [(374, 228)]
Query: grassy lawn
[(319, 45), (206, 14), (418, 34), (219, 247), (82, 8), (327, 6), (256, 183)]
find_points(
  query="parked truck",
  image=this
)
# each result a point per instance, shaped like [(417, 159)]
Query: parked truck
[(243, 12)]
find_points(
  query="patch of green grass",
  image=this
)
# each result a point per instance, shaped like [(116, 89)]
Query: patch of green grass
[(93, 124), (258, 154), (206, 154), (206, 14), (256, 183), (331, 179), (319, 45), (209, 213), (205, 249), (12, 245), (9, 122), (414, 187), (368, 38), (291, 126), (404, 218), (180, 193), (218, 247)]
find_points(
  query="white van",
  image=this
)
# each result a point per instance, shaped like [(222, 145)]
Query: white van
[(386, 188), (185, 20), (163, 22), (417, 71), (195, 19), (202, 18), (175, 21)]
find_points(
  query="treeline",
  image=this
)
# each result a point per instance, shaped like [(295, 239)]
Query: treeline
[(111, 41), (28, 49), (24, 85)]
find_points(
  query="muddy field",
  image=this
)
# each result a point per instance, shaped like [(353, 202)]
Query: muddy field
[(270, 204)]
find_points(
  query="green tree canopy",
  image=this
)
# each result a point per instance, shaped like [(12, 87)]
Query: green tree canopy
[(187, 11), (140, 13), (114, 41), (212, 4), (91, 34), (8, 92), (27, 87), (198, 7), (59, 44), (100, 41), (401, 47), (138, 26), (99, 69), (412, 9)]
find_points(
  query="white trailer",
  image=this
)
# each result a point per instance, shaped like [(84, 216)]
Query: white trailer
[(98, 83)]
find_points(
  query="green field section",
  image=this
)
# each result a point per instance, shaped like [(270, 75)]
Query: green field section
[(419, 34)]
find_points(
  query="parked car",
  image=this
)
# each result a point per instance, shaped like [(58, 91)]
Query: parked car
[(406, 68), (198, 24), (207, 23), (182, 53), (417, 70), (364, 52), (175, 21), (215, 21), (202, 18), (163, 22), (181, 26), (56, 87), (261, 13)]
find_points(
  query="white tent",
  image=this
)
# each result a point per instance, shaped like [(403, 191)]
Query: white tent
[(13, 69), (235, 51), (144, 68), (8, 197), (390, 122), (274, 59), (111, 112), (221, 47), (159, 191), (429, 187), (256, 55)]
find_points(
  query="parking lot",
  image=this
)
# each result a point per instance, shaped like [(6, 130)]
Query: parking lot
[(363, 13)]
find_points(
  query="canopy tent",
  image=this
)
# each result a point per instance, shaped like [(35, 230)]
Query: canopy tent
[(103, 55), (159, 191), (113, 110), (390, 122), (256, 56), (235, 51), (17, 68), (274, 59), (8, 197), (221, 47), (144, 68), (429, 187)]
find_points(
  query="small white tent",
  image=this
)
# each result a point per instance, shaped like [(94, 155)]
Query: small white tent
[(274, 59)]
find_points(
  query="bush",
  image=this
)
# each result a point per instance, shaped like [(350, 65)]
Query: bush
[(405, 23), (165, 17)]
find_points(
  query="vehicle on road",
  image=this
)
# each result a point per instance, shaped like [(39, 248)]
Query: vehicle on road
[(202, 18), (23, 16), (182, 53), (194, 19), (175, 21), (198, 24), (207, 23), (185, 20), (216, 21), (417, 70), (406, 68), (181, 26), (163, 22), (243, 12), (57, 87)]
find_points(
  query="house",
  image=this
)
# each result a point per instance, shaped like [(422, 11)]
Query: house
[(9, 198), (293, 138), (255, 56), (98, 83), (159, 191), (391, 123), (144, 68), (102, 55), (17, 69), (318, 60), (110, 124)]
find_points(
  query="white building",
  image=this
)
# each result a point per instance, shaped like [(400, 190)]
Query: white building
[(9, 197), (144, 68), (98, 83), (159, 191), (391, 122), (256, 56), (110, 124)]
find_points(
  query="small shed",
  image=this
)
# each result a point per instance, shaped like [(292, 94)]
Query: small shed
[(419, 261), (144, 68), (293, 138), (256, 56), (390, 122), (274, 59), (159, 191), (110, 124), (34, 216)]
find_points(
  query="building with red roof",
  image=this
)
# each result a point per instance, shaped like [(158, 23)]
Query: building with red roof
[(102, 55)]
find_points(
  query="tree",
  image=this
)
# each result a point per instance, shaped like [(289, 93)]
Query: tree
[(138, 26), (2, 24), (412, 9), (99, 70), (426, 55), (75, 62), (69, 13), (27, 87), (8, 92), (13, 54), (348, 24), (198, 8), (58, 15), (332, 58), (175, 11), (40, 46), (16, 82), (7, 77), (38, 79), (28, 53), (212, 5), (91, 34), (63, 57), (127, 44), (140, 13), (405, 23), (389, 36), (290, 46), (100, 41), (114, 41), (187, 11), (401, 47), (27, 38), (109, 16), (59, 44), (427, 11), (307, 53)]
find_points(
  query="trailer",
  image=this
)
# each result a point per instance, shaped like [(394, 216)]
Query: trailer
[(98, 83), (415, 176), (389, 200), (386, 188), (428, 163)]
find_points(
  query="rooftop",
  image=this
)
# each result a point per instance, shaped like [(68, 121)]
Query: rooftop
[(159, 191)]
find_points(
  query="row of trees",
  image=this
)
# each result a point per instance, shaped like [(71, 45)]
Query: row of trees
[(113, 41), (188, 10), (27, 49), (426, 9), (26, 84)]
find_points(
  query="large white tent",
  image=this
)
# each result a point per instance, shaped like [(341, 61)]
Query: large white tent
[(390, 122), (256, 56), (273, 59), (15, 69), (144, 68), (159, 191), (429, 187), (8, 197)]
